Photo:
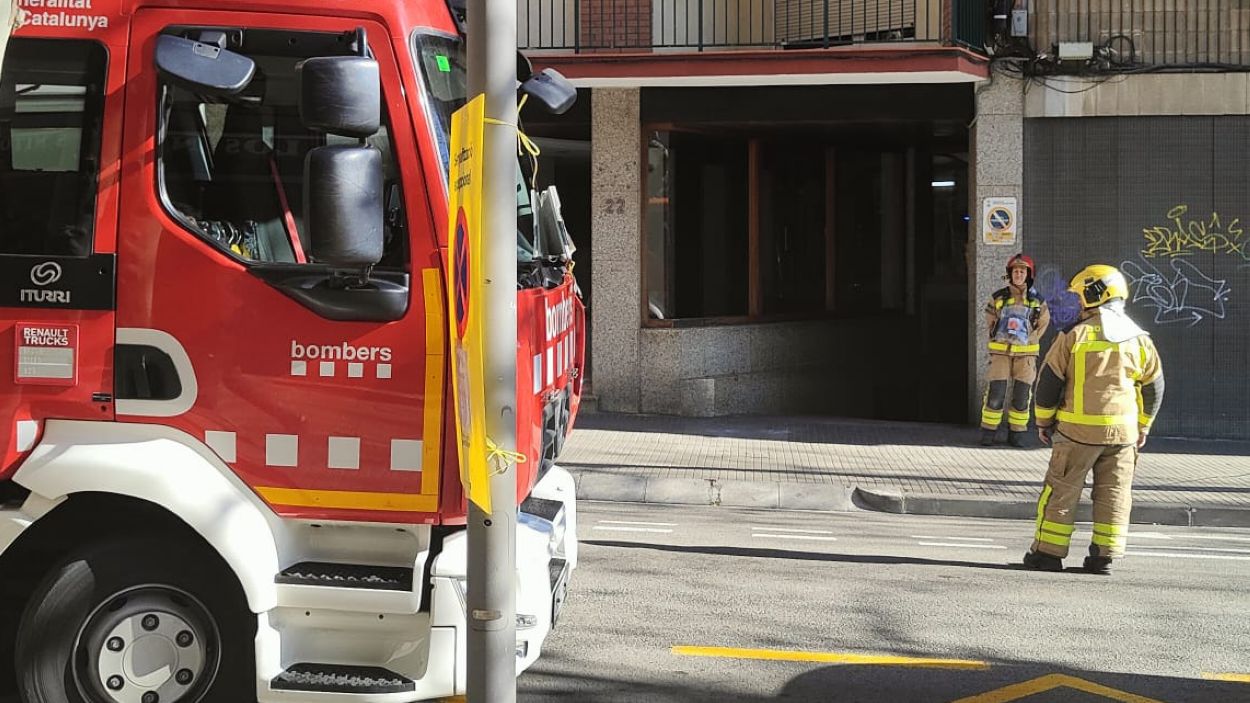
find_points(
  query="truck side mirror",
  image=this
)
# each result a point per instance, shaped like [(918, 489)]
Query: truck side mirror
[(344, 207), (341, 95), (343, 192), (207, 69), (552, 90)]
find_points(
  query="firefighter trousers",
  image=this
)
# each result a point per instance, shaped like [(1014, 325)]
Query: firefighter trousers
[(1070, 462), (1020, 372)]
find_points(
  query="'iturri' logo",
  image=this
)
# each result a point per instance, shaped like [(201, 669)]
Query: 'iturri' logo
[(45, 274)]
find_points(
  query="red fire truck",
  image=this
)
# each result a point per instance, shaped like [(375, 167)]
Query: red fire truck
[(227, 459)]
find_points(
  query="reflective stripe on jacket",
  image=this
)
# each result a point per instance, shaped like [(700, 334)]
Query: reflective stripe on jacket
[(1101, 400)]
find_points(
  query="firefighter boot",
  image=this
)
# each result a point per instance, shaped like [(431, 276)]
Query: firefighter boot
[(1042, 562), (1017, 439), (987, 437), (1096, 564)]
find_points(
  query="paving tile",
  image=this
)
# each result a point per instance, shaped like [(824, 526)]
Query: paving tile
[(912, 457)]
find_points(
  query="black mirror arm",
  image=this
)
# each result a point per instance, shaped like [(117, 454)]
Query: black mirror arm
[(343, 279)]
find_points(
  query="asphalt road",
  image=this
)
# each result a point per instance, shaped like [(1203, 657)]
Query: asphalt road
[(682, 604)]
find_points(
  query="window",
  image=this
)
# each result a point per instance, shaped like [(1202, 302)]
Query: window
[(441, 63), (697, 226), (51, 114), (786, 224), (232, 170)]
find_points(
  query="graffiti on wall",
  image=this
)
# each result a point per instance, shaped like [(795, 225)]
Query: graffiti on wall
[(1183, 295), (1185, 235), (1064, 305)]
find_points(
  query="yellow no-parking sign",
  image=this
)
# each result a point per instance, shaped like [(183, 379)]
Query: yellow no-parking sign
[(465, 296)]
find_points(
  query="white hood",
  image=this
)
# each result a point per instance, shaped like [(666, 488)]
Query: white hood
[(1117, 326)]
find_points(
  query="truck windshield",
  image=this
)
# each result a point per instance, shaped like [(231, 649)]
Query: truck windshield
[(441, 60)]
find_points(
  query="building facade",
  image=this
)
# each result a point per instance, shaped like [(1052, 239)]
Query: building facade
[(781, 207), (1135, 126)]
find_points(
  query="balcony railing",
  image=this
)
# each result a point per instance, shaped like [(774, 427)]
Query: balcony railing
[(596, 26), (1148, 32)]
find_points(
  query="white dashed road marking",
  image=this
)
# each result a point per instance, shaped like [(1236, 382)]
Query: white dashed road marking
[(1225, 538), (1195, 549), (806, 537), (966, 546), (961, 539), (1172, 555)]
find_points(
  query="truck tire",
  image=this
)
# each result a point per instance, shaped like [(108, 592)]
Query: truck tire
[(137, 620)]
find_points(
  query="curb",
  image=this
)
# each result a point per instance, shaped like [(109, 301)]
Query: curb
[(964, 506), (769, 495), (775, 495)]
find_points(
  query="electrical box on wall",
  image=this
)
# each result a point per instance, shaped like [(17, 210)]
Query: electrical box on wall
[(1019, 23), (1075, 51)]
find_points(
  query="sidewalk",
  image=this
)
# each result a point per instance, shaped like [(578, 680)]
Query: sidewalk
[(841, 464)]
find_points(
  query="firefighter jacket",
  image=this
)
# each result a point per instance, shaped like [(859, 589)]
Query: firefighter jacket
[(1017, 319), (1097, 390)]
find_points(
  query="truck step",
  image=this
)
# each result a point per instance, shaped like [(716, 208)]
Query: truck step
[(341, 678), (542, 507), (374, 578)]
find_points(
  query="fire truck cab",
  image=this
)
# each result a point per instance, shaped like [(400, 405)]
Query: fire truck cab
[(228, 467)]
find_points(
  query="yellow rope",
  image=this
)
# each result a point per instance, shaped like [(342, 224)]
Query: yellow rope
[(523, 142), (499, 458)]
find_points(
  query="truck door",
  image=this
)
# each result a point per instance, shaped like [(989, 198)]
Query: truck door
[(324, 395), (60, 130)]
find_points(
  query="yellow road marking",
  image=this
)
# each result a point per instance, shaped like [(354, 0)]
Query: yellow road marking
[(826, 657), (1052, 681), (1239, 678)]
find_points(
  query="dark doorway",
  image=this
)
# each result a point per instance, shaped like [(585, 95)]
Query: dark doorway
[(862, 227)]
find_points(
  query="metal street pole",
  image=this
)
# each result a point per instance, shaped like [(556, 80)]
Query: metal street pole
[(491, 27)]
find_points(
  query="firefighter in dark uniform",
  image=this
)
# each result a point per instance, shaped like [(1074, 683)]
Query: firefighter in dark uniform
[(1016, 318)]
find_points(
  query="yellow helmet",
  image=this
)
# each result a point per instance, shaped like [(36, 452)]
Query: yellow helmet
[(1098, 284)]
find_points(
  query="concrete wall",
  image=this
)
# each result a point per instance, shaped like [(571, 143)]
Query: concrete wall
[(616, 220), (997, 170), (768, 368), (1147, 94)]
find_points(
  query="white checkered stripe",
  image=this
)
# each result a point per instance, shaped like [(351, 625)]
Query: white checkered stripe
[(26, 431), (341, 369), (342, 453)]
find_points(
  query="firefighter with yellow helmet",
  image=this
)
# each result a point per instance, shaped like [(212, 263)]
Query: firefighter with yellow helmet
[(1100, 389), (1016, 317)]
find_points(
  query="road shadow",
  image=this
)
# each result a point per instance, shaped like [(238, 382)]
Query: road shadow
[(1026, 682), (765, 553), (539, 685), (847, 683)]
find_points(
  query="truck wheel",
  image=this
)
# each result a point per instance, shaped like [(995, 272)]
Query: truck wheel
[(137, 620)]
